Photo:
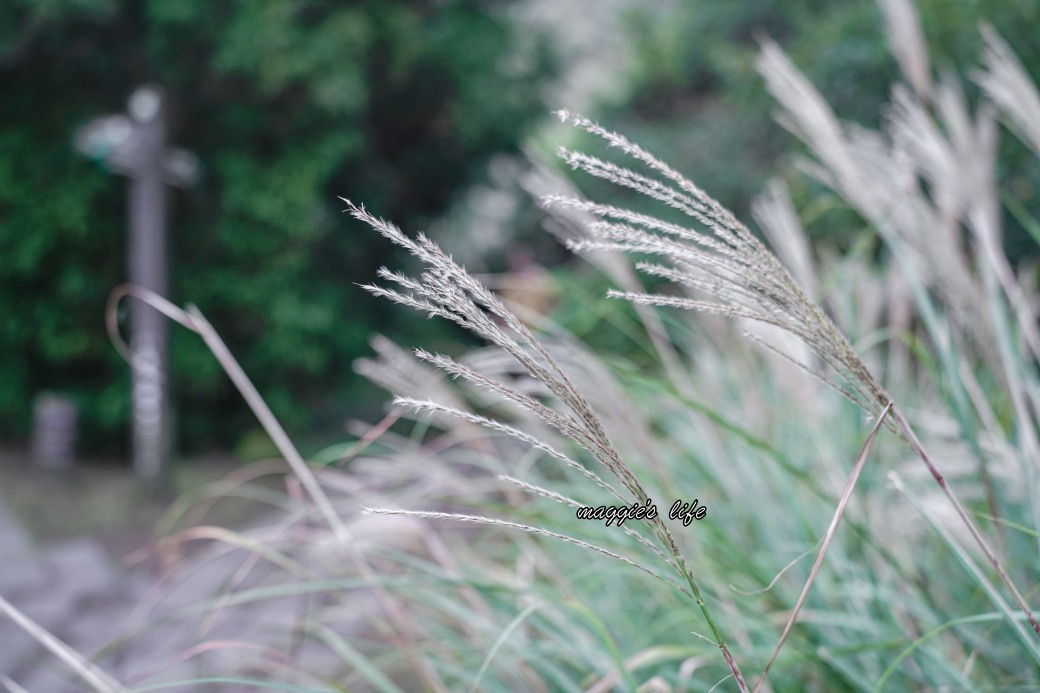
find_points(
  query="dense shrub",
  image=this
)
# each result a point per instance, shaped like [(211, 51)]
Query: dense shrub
[(286, 103)]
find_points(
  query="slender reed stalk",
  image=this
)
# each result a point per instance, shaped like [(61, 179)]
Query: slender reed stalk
[(193, 320), (846, 494), (446, 290), (728, 263), (95, 677)]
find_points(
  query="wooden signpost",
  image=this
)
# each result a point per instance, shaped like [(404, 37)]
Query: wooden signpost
[(134, 145)]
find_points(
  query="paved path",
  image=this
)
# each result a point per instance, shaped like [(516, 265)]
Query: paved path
[(71, 589), (74, 590), (218, 611), (137, 628)]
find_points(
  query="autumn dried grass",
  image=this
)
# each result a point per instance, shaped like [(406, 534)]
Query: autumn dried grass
[(555, 403), (446, 290), (725, 270)]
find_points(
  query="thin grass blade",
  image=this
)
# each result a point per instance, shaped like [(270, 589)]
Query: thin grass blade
[(843, 501), (91, 674)]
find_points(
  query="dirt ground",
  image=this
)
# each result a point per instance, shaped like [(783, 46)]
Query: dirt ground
[(103, 500)]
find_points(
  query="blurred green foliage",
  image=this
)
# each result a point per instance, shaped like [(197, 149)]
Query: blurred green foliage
[(288, 103), (695, 95)]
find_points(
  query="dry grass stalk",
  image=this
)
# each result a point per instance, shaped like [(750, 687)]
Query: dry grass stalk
[(728, 263), (1009, 86), (446, 290), (839, 511), (934, 137), (95, 677), (908, 44), (193, 320)]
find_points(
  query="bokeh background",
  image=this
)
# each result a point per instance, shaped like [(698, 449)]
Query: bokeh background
[(420, 110), (438, 115)]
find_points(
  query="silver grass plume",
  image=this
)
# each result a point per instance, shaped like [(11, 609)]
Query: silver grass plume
[(725, 261), (444, 289)]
